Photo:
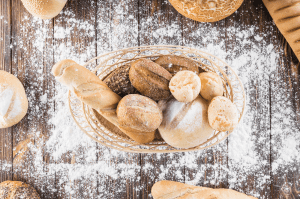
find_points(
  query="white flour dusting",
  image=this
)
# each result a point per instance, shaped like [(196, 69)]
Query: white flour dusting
[(253, 58)]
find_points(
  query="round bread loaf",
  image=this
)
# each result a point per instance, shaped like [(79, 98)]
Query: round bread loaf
[(174, 64), (16, 189), (185, 125), (44, 9), (13, 100), (185, 86), (211, 85), (138, 113), (222, 114), (150, 79), (206, 10)]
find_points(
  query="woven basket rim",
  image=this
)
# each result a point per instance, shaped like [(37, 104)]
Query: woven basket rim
[(98, 132)]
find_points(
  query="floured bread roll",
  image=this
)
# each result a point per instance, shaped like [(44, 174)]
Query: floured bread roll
[(206, 10), (211, 85), (17, 189), (44, 9), (13, 100), (185, 125), (222, 114), (185, 86)]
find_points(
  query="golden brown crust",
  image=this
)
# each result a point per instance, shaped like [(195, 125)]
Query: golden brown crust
[(211, 85), (16, 189), (13, 100), (222, 114), (174, 64), (139, 113), (176, 190), (286, 15), (206, 10), (44, 9), (150, 79)]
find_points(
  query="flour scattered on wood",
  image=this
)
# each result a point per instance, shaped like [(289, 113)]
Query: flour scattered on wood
[(75, 157)]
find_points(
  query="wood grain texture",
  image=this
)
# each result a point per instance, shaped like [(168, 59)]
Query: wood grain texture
[(29, 47), (6, 148)]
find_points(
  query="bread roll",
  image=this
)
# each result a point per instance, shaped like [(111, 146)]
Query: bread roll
[(89, 89), (211, 85), (16, 189), (139, 113), (150, 79), (206, 10), (185, 86), (44, 9), (174, 64), (286, 15), (185, 125), (222, 114), (13, 100), (176, 190)]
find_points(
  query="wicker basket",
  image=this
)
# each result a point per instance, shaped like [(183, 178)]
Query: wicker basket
[(106, 134)]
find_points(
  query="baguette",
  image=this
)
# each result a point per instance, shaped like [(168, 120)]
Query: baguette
[(176, 190), (89, 89), (286, 15)]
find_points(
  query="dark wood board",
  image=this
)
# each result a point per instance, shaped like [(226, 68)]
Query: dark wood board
[(32, 62)]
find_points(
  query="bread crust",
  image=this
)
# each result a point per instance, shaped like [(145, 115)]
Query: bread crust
[(150, 79), (211, 85), (174, 64), (44, 9), (286, 15), (176, 190), (16, 102), (17, 189), (206, 10)]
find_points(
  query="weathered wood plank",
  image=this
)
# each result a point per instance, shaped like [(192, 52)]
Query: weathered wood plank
[(5, 59)]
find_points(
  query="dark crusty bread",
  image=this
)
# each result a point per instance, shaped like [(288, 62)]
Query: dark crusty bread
[(174, 64), (150, 79)]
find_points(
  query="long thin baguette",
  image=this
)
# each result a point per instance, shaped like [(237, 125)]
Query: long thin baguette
[(286, 15), (176, 190), (89, 89)]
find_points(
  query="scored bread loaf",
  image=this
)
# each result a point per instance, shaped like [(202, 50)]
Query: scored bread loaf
[(286, 15), (89, 89), (176, 190)]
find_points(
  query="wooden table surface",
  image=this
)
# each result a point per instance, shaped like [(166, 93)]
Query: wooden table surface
[(29, 47)]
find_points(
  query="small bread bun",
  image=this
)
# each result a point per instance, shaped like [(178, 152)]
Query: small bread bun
[(150, 79), (44, 9), (185, 86), (206, 10), (222, 114), (185, 125), (13, 100), (138, 113), (211, 85), (174, 64), (16, 189)]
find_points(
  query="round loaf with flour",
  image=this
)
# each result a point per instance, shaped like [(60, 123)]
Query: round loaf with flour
[(222, 114), (211, 85), (13, 100), (137, 113), (44, 9), (185, 125), (185, 86), (206, 10), (17, 189)]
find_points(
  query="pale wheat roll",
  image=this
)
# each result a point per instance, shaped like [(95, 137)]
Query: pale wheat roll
[(286, 15), (185, 86), (44, 9), (211, 85), (13, 100), (222, 114), (185, 125), (206, 10)]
